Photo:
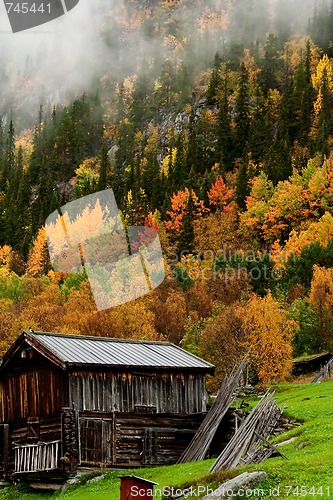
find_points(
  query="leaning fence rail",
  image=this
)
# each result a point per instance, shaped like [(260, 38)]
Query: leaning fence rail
[(37, 457), (325, 373)]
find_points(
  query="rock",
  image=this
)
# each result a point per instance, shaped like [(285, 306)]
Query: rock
[(291, 440), (242, 483), (96, 479), (112, 152)]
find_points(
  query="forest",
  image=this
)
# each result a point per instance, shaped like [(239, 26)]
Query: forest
[(213, 124)]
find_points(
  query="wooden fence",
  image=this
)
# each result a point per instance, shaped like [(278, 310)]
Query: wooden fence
[(36, 457), (325, 373)]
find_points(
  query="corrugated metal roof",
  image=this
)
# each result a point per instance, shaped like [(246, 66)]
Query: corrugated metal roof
[(82, 350)]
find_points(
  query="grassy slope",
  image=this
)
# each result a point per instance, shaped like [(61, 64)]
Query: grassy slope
[(310, 456)]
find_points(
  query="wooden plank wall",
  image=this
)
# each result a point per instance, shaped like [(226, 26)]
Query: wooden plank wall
[(32, 394), (126, 392), (130, 440), (4, 448), (148, 440)]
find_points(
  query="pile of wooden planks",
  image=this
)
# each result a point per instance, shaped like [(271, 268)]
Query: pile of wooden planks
[(202, 439), (325, 373), (250, 442)]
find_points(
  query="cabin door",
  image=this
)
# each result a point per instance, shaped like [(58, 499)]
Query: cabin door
[(4, 439), (97, 441), (150, 446)]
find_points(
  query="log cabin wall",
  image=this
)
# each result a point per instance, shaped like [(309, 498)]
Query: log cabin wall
[(134, 440), (153, 439), (169, 392), (32, 387), (32, 394)]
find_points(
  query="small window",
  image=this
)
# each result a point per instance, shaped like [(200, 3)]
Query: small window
[(144, 409)]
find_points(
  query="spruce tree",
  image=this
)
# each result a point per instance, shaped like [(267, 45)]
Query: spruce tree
[(214, 81), (225, 139), (243, 112), (103, 173), (270, 65)]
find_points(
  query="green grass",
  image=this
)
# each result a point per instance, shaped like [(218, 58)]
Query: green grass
[(310, 456)]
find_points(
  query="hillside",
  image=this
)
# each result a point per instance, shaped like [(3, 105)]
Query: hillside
[(212, 124), (310, 457)]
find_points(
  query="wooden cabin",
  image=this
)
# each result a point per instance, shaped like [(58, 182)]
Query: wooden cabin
[(310, 364), (71, 401)]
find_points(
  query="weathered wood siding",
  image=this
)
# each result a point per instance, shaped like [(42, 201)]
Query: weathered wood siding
[(147, 440), (4, 448), (32, 393), (127, 440), (133, 392), (96, 441)]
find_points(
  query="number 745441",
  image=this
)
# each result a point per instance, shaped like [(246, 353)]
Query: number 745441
[(24, 8)]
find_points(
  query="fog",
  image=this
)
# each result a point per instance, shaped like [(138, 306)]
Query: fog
[(50, 61), (66, 56)]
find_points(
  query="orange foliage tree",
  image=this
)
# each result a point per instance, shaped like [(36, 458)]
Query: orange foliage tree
[(179, 208), (220, 195)]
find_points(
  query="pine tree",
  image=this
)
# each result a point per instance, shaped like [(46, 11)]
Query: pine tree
[(270, 64), (277, 163), (10, 150), (214, 82), (179, 174), (166, 91), (288, 125), (225, 139), (303, 97), (103, 173), (243, 112), (259, 134), (242, 182), (124, 156)]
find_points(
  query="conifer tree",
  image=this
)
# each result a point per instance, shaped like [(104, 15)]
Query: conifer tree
[(303, 97), (270, 64), (103, 173), (243, 112), (214, 82), (225, 139)]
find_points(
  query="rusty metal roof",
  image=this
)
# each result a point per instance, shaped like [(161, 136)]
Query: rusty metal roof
[(84, 350)]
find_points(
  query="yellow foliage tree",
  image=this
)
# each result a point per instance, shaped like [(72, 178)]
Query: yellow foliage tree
[(39, 261), (320, 231), (268, 333)]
